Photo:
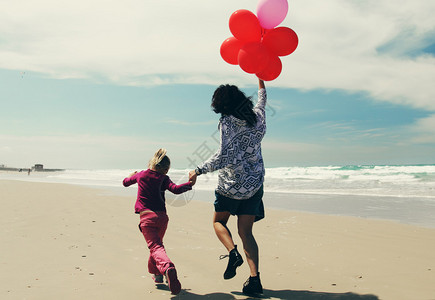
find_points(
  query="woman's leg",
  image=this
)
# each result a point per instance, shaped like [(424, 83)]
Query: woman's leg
[(244, 225), (235, 260), (220, 220)]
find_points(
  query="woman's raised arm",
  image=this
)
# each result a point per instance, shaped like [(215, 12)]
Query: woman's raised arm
[(261, 84)]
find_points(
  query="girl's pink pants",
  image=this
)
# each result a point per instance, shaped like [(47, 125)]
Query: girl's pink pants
[(153, 226)]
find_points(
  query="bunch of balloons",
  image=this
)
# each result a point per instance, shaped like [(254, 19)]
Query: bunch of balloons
[(257, 43)]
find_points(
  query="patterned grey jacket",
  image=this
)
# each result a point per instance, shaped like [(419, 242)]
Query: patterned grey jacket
[(239, 159)]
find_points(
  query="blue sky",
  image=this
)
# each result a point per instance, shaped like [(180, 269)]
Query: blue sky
[(103, 84)]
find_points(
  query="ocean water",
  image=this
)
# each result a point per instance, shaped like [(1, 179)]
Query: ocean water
[(401, 193)]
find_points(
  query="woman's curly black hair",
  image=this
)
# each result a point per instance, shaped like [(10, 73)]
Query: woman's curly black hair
[(229, 100)]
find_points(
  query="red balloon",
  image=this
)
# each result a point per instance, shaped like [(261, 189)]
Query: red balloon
[(245, 26), (230, 50), (272, 70), (253, 57), (281, 41)]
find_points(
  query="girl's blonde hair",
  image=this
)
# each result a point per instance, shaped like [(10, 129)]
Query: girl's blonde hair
[(160, 162)]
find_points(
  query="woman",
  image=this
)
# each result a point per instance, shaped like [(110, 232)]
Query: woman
[(241, 174)]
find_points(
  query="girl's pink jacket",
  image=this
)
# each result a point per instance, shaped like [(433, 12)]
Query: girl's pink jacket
[(151, 189)]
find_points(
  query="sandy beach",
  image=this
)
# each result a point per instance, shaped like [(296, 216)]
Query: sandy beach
[(70, 242)]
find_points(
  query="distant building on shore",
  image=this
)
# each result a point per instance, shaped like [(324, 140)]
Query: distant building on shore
[(38, 167)]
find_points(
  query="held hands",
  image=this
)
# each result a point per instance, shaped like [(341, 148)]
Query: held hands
[(192, 177), (132, 174)]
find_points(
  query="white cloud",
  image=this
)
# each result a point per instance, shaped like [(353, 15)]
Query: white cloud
[(424, 130), (169, 41), (426, 124), (340, 43)]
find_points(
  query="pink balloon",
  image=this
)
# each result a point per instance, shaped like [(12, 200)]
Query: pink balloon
[(271, 13)]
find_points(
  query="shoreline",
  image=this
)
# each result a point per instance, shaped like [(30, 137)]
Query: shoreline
[(405, 210), (32, 169), (74, 242)]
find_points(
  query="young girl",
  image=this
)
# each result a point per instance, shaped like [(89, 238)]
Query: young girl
[(150, 205)]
